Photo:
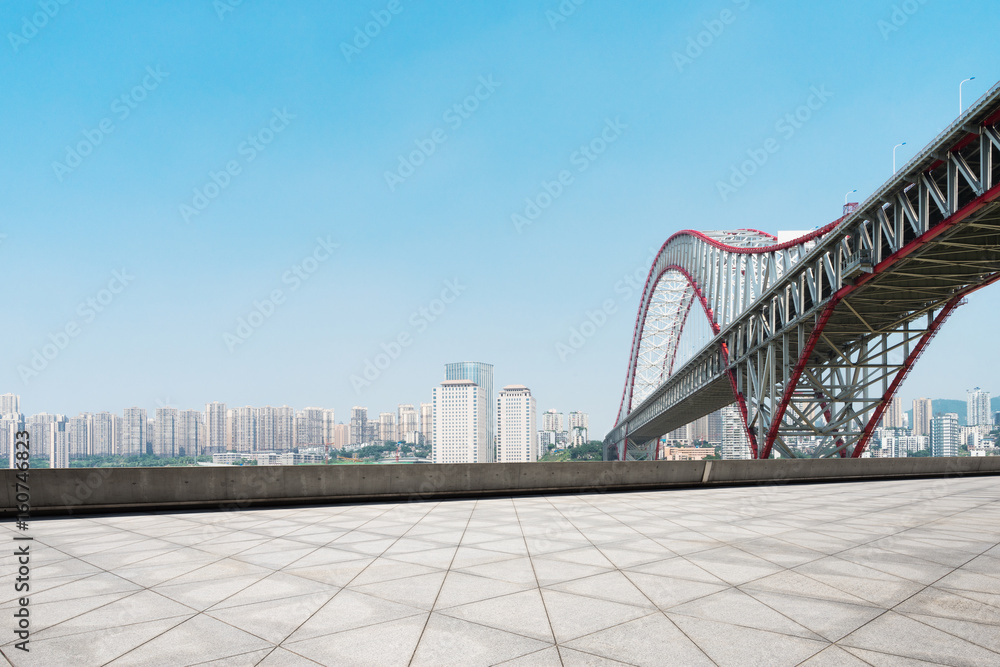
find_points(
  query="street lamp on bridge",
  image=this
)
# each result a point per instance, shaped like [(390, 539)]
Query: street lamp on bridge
[(894, 155), (960, 107), (847, 207)]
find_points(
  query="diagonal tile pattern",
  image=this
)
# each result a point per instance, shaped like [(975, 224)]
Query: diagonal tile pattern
[(876, 573)]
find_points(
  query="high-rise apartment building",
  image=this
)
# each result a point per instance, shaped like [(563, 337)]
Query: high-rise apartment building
[(134, 434), (923, 410), (79, 435), (215, 427), (387, 427), (104, 434), (482, 375), (427, 422), (10, 424), (460, 415), (243, 427), (10, 404), (329, 425), (58, 443), (735, 444), (552, 421), (165, 433), (945, 435), (359, 425), (267, 428), (517, 439), (341, 435), (978, 411), (189, 433), (893, 415), (407, 420), (579, 424)]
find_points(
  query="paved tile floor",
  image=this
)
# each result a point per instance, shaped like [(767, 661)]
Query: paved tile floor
[(877, 573)]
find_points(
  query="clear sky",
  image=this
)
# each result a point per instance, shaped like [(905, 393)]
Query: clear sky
[(204, 148)]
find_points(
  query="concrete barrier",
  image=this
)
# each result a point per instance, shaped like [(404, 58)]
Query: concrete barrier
[(87, 490)]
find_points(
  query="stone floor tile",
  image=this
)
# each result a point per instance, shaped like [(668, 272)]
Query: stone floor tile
[(547, 657), (887, 660), (201, 595), (667, 592), (678, 568), (834, 656), (196, 640), (335, 574), (92, 649), (142, 607), (445, 638), (613, 586), (280, 657), (651, 640), (899, 635), (520, 613), (272, 620), (732, 565), (460, 588), (987, 636), (735, 607), (738, 646), (956, 605), (573, 616), (103, 583), (571, 658), (419, 590), (349, 610), (549, 571), (829, 619), (397, 639)]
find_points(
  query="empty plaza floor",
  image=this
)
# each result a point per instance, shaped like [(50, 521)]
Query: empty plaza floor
[(875, 573)]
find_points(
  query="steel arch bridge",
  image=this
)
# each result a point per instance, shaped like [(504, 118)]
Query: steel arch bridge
[(812, 337)]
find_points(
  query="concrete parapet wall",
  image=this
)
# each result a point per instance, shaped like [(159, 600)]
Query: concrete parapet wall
[(86, 490)]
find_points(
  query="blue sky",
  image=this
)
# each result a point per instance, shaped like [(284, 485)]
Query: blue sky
[(201, 84)]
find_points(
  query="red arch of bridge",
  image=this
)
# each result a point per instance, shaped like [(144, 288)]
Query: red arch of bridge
[(653, 278)]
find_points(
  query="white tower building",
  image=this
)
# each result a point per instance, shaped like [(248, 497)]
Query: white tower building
[(517, 438), (460, 423), (735, 444)]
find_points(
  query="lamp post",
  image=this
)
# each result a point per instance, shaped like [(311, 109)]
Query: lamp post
[(894, 155), (848, 195), (960, 107)]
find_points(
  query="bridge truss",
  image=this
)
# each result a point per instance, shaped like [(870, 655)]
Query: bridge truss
[(811, 338)]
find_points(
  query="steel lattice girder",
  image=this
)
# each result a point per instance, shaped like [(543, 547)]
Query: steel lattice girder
[(813, 315)]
